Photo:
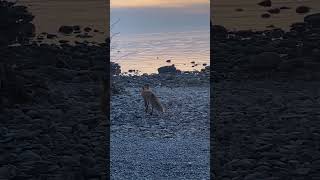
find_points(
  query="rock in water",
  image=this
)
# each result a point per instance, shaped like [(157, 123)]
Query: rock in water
[(274, 11), (87, 29), (76, 28), (51, 36), (265, 15), (265, 3), (302, 9), (167, 70), (66, 29)]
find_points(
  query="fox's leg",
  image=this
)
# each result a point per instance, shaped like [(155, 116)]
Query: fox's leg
[(146, 106), (151, 110)]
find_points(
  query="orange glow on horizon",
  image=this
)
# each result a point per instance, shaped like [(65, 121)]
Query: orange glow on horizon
[(156, 3)]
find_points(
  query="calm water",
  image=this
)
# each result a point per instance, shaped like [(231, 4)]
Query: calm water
[(146, 52), (149, 36), (143, 34), (51, 14)]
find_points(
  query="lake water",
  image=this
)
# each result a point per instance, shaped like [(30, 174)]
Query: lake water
[(146, 52), (147, 39), (223, 13), (51, 14), (149, 36)]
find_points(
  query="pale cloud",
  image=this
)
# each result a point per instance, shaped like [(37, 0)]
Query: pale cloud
[(156, 3)]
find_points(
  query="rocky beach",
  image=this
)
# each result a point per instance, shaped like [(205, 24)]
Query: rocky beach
[(169, 145), (52, 126), (263, 87), (265, 96)]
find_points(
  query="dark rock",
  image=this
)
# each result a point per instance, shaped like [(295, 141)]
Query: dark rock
[(40, 37), (219, 31), (270, 26), (299, 27), (115, 68), (303, 171), (239, 9), (265, 15), (8, 172), (274, 11), (87, 29), (255, 176), (313, 20), (29, 155), (76, 28), (291, 64), (66, 29), (84, 36), (63, 41), (302, 9), (265, 61), (284, 7), (265, 3), (167, 70), (51, 36), (168, 61)]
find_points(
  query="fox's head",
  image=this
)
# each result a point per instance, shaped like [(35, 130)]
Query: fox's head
[(146, 87)]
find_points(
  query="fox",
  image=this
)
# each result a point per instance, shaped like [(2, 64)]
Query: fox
[(150, 98)]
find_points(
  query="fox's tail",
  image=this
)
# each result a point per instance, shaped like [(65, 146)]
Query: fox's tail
[(156, 104)]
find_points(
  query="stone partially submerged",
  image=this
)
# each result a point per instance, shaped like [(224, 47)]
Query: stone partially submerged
[(168, 70)]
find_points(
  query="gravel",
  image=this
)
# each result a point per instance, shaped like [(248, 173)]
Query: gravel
[(170, 145)]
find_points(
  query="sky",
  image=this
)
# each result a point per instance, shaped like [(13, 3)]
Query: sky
[(156, 16), (156, 3)]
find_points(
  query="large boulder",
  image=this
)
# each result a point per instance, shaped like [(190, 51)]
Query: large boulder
[(66, 29), (265, 3), (265, 61), (302, 9), (168, 70), (115, 68), (219, 31), (313, 19)]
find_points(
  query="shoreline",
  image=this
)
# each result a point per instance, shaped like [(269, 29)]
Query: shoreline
[(270, 54), (265, 94), (51, 122)]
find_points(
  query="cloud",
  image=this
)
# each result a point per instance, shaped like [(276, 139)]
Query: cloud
[(156, 3)]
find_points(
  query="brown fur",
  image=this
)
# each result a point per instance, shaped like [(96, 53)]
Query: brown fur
[(150, 98)]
